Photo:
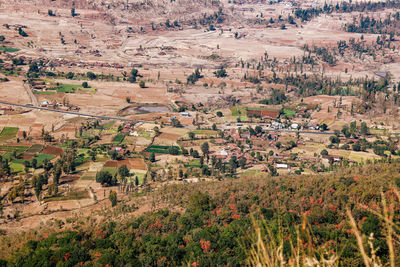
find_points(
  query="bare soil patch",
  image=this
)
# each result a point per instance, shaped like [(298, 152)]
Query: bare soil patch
[(53, 150)]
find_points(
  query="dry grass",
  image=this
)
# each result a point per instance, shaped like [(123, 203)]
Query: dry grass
[(267, 248)]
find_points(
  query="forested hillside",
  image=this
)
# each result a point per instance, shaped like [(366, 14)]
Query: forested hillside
[(242, 221)]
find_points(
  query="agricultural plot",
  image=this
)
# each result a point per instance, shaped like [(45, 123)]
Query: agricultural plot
[(205, 132), (89, 176), (8, 49), (18, 149), (73, 195), (42, 157), (108, 125), (67, 88), (112, 170), (36, 148), (193, 164), (11, 151), (289, 112), (53, 150), (136, 163), (17, 167), (44, 92), (8, 133), (163, 149), (118, 138), (139, 175)]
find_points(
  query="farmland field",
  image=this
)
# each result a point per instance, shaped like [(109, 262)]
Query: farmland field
[(8, 49), (194, 163), (16, 167), (289, 112), (161, 149), (74, 195), (112, 170), (44, 92), (19, 149), (205, 132), (42, 157), (52, 150), (67, 88), (8, 133), (36, 148), (118, 138)]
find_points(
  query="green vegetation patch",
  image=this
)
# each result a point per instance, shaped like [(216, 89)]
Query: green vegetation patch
[(42, 157), (112, 170), (44, 92), (140, 176), (238, 111), (19, 149), (205, 132), (108, 125), (8, 133), (145, 134), (89, 89), (36, 148), (74, 195), (8, 49), (67, 88), (289, 112), (193, 164), (89, 176), (118, 138), (17, 167), (164, 149)]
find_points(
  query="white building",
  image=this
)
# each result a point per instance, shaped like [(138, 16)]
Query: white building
[(223, 152), (281, 166)]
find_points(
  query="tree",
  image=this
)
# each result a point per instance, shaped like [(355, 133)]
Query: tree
[(73, 14), (175, 122), (242, 162), (324, 152), (323, 127), (194, 77), (152, 157), (364, 128), (173, 150), (191, 135), (334, 139), (85, 85), (56, 174), (133, 75), (356, 147), (33, 67), (91, 75), (22, 33), (199, 203), (142, 84), (136, 181), (105, 178), (220, 114), (205, 148), (220, 73), (123, 171), (34, 163), (113, 198), (233, 163)]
